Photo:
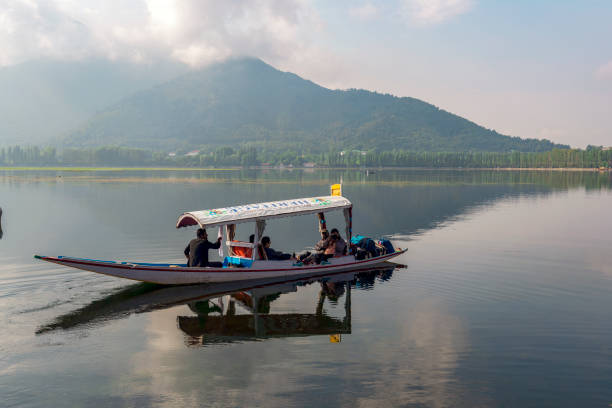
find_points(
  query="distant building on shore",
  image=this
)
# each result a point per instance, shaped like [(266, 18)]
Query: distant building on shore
[(310, 165), (361, 152)]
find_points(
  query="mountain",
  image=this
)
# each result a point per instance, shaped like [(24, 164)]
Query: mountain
[(247, 101), (45, 99)]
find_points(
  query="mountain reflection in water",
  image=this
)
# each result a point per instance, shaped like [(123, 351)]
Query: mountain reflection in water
[(234, 311)]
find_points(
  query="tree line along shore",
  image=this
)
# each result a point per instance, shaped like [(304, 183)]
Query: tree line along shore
[(568, 159)]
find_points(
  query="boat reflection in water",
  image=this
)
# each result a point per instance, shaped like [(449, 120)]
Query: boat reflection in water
[(215, 323), (231, 312)]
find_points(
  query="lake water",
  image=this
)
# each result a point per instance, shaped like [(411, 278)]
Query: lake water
[(504, 299)]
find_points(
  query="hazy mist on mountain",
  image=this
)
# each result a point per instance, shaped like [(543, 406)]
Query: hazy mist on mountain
[(44, 99)]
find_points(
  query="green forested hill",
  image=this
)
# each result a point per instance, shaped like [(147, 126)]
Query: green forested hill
[(247, 101)]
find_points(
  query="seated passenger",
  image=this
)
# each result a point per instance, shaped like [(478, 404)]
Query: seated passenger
[(330, 251), (197, 250), (323, 243), (335, 248), (340, 244), (308, 257), (271, 254)]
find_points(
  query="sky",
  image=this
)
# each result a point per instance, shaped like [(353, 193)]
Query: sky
[(540, 69)]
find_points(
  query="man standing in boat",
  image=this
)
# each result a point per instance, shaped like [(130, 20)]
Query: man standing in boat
[(197, 250)]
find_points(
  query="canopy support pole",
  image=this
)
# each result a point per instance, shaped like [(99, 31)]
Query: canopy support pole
[(260, 226), (255, 243), (348, 218), (230, 231), (230, 234), (322, 224)]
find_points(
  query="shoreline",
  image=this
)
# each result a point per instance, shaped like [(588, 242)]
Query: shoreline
[(185, 169), (84, 168)]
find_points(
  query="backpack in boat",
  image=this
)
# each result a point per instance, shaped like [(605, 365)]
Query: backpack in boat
[(387, 245), (360, 254), (368, 245)]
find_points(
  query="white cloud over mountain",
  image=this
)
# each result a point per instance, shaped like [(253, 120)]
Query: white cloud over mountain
[(193, 31), (365, 11), (435, 11)]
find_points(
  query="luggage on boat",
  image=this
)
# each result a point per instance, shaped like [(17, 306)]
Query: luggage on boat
[(357, 239), (360, 254), (364, 247), (387, 245), (365, 244)]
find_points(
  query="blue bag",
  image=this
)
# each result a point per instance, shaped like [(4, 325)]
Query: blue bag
[(387, 244), (369, 245), (356, 239)]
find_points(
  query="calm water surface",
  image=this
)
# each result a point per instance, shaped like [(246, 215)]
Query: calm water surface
[(504, 300)]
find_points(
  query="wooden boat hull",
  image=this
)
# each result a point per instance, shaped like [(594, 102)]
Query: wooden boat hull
[(169, 274)]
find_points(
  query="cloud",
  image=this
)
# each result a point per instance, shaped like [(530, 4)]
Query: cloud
[(366, 11), (195, 32), (426, 12), (604, 71), (30, 30), (415, 367)]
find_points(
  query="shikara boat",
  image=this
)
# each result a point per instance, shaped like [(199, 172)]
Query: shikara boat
[(245, 260)]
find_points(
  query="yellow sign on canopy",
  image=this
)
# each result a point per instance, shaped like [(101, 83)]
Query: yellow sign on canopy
[(336, 190)]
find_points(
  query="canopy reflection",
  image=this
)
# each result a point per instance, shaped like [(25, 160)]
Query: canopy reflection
[(213, 324)]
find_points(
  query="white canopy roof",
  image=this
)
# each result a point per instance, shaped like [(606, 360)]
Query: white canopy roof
[(252, 212)]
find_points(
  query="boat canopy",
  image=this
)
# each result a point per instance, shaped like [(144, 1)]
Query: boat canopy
[(263, 211)]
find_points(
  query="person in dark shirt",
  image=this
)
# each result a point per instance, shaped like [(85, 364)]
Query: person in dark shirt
[(319, 248), (271, 254), (336, 246), (323, 243), (340, 244), (197, 250)]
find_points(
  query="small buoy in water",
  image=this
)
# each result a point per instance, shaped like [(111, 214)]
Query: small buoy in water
[(0, 222)]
